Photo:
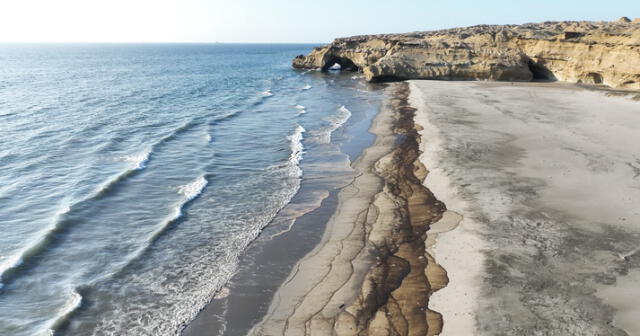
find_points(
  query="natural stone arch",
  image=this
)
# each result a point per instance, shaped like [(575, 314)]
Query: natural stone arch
[(345, 63)]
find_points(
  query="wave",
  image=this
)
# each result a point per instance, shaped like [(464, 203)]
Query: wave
[(306, 87), (262, 97), (16, 260), (201, 296), (193, 189), (46, 236), (224, 117), (301, 109), (190, 191), (335, 121), (139, 160), (71, 305), (297, 149)]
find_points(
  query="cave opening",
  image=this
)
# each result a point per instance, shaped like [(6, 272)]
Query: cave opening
[(594, 78), (344, 64), (540, 72)]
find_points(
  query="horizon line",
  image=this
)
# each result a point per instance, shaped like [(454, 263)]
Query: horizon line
[(150, 42)]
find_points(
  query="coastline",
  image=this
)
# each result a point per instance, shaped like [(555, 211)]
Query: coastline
[(299, 226), (370, 274), (508, 251)]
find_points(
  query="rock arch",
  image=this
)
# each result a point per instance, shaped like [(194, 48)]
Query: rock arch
[(345, 63)]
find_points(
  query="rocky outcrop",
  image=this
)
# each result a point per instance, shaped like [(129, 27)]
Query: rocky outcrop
[(579, 52)]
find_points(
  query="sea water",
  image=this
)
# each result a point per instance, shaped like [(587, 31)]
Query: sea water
[(133, 176)]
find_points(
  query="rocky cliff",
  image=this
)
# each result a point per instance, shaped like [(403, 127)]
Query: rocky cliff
[(580, 52)]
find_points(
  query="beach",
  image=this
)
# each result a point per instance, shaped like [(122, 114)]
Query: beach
[(482, 208), (544, 178), (228, 168), (370, 270)]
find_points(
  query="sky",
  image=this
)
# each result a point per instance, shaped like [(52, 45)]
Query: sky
[(294, 21)]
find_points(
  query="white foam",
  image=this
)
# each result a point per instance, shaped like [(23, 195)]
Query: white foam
[(190, 191), (11, 262), (266, 93), (193, 189), (64, 210), (139, 160), (73, 302), (306, 87), (171, 319), (335, 121), (222, 293), (297, 149), (301, 109), (15, 260)]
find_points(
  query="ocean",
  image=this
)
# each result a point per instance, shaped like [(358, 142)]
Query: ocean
[(134, 176)]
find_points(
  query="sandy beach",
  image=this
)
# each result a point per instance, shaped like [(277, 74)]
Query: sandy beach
[(370, 274), (544, 178), (505, 208), (407, 168)]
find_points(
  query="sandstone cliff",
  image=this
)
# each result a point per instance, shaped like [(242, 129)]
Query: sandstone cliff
[(580, 52)]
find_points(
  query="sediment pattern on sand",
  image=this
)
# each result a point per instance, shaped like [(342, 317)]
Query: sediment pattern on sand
[(370, 275)]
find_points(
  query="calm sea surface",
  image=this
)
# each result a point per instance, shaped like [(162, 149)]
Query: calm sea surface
[(133, 176)]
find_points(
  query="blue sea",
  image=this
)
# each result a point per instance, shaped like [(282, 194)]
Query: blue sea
[(133, 176)]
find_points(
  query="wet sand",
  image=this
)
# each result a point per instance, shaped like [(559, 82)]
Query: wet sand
[(480, 209), (293, 233), (542, 186), (370, 274)]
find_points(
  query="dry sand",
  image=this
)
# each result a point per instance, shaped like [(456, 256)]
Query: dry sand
[(542, 183)]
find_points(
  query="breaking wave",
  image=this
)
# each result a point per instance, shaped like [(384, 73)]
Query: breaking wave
[(335, 121), (297, 149), (46, 236)]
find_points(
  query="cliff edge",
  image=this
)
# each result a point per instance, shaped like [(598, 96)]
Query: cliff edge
[(579, 52)]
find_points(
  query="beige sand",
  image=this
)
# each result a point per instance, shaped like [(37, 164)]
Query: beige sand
[(547, 181)]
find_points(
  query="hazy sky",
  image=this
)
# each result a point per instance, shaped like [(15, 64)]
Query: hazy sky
[(273, 20)]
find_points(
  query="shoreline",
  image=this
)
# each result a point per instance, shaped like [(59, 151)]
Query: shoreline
[(510, 242), (298, 227), (371, 273)]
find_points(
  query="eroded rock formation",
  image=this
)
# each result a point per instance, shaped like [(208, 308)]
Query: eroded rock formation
[(579, 52)]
